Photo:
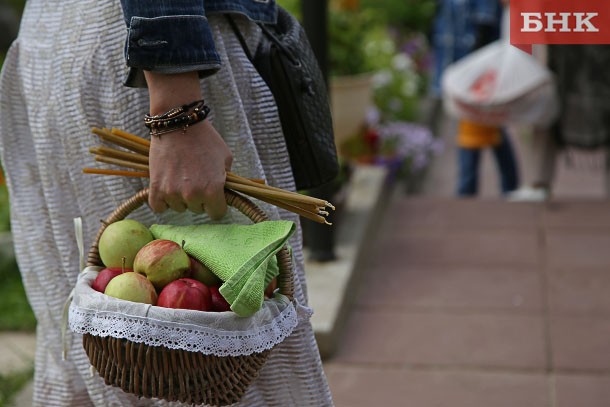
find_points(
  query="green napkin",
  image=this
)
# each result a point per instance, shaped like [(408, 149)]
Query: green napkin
[(242, 256)]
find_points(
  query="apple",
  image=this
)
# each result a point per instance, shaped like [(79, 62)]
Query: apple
[(104, 277), (161, 261), (185, 293), (122, 239), (218, 301), (132, 286), (198, 271)]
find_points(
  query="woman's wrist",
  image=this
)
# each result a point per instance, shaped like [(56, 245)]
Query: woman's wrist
[(177, 118), (167, 91)]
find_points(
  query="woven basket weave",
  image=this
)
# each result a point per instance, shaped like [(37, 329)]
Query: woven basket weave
[(175, 374)]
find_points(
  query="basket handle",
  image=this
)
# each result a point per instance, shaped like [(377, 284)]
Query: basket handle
[(239, 202)]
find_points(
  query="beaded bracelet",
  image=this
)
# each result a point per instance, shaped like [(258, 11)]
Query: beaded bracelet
[(180, 117)]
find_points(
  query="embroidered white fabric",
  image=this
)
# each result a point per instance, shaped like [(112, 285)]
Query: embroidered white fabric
[(212, 333)]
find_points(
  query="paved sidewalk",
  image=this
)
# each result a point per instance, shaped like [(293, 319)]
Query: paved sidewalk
[(482, 303)]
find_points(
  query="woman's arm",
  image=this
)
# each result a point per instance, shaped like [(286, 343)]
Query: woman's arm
[(170, 46), (187, 169)]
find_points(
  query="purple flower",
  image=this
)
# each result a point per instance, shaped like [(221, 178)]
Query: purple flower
[(409, 141), (373, 116)]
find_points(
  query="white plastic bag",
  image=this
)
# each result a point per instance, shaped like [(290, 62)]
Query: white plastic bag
[(499, 85)]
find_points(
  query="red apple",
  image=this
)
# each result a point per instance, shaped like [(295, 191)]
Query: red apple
[(132, 287), (186, 293), (198, 271), (219, 303), (104, 277), (161, 261)]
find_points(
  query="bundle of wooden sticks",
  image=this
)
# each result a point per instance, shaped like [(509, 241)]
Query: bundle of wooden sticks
[(134, 156)]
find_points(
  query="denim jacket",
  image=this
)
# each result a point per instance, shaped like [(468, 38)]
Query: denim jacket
[(174, 36)]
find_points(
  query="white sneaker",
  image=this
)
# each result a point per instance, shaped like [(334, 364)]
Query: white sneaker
[(528, 194)]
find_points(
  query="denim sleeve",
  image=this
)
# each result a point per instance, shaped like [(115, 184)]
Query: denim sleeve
[(167, 36)]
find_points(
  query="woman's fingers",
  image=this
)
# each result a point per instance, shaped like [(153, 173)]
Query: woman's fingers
[(216, 204), (176, 204), (195, 202)]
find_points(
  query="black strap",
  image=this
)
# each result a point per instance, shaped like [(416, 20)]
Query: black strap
[(266, 31), (239, 36)]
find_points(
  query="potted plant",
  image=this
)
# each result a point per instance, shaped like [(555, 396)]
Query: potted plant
[(350, 71)]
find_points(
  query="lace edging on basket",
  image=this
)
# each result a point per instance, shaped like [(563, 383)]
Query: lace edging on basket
[(214, 341)]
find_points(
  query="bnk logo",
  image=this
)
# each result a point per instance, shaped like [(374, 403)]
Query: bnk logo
[(559, 22), (563, 22)]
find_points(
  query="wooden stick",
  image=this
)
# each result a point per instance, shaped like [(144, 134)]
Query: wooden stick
[(115, 172), (302, 204), (144, 142), (129, 136), (282, 195), (122, 163), (121, 155), (298, 210), (128, 144), (314, 209), (316, 214), (292, 197), (314, 201), (137, 158)]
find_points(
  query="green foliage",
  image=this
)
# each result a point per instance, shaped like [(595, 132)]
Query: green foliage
[(15, 311), (16, 5), (5, 224), (348, 31), (397, 81), (16, 314), (405, 15), (12, 383), (293, 7), (395, 89)]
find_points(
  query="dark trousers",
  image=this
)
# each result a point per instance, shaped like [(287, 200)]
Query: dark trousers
[(470, 158)]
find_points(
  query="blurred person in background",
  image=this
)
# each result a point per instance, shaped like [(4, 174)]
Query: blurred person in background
[(583, 123), (460, 27)]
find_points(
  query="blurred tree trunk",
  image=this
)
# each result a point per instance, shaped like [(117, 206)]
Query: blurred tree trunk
[(319, 238), (9, 25)]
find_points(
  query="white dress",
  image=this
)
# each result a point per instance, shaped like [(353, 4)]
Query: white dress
[(64, 75)]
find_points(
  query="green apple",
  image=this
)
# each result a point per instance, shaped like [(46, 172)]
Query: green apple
[(161, 261), (132, 286), (122, 239)]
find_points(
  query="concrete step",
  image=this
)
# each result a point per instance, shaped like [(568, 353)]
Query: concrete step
[(330, 283)]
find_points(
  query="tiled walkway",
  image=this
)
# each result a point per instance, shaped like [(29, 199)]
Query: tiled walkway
[(482, 303)]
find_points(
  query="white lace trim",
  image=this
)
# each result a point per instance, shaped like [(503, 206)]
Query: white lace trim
[(215, 333)]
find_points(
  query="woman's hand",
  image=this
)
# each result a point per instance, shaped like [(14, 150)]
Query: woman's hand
[(187, 169)]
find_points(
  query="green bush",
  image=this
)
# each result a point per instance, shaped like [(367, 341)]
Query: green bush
[(293, 6), (16, 313), (5, 224), (17, 5), (348, 31), (12, 383), (406, 15)]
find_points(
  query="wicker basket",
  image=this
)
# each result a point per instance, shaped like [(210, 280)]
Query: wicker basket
[(174, 374)]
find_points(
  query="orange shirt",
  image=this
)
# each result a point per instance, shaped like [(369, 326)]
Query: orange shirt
[(475, 135)]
